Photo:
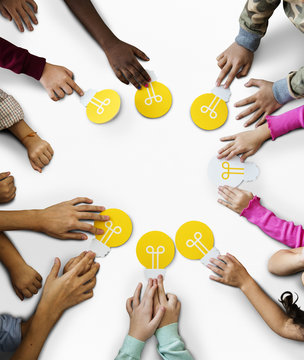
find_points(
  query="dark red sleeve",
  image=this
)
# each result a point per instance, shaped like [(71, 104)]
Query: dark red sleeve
[(20, 60)]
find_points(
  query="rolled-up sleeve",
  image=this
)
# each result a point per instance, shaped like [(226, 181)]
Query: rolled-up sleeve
[(10, 333), (10, 111)]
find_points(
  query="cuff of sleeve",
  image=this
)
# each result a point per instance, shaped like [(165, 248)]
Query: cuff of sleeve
[(34, 66), (269, 120), (248, 40), (132, 347), (281, 91), (10, 333), (167, 334), (250, 209)]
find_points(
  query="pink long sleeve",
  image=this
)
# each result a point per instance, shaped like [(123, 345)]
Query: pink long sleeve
[(284, 231), (282, 124)]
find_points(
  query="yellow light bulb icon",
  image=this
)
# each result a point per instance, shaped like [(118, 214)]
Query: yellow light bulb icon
[(153, 101), (195, 241), (101, 106), (209, 111), (155, 250), (117, 230)]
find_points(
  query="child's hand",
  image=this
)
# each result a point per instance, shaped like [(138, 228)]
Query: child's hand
[(246, 143), (61, 293), (263, 102), (143, 323), (75, 260), (7, 187), (61, 220), (235, 61), (236, 199), (168, 301), (25, 280), (20, 10), (229, 270), (58, 81), (123, 60), (39, 152)]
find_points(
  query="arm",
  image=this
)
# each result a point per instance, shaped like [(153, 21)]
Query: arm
[(121, 56), (231, 272)]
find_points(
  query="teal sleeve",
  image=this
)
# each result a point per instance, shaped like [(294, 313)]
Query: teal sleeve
[(131, 349), (171, 345)]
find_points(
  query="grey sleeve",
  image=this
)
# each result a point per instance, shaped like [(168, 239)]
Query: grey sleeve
[(10, 333)]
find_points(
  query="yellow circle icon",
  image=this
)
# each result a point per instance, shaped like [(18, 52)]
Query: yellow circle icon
[(103, 106), (155, 250), (117, 230), (153, 101), (194, 240), (208, 111)]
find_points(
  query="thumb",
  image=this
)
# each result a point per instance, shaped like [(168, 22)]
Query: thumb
[(158, 317), (55, 269), (252, 82), (4, 175), (69, 72), (140, 54)]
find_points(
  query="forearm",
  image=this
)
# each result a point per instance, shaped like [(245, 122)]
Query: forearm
[(21, 130), (42, 323), (86, 13), (19, 220), (270, 312), (8, 252), (286, 262)]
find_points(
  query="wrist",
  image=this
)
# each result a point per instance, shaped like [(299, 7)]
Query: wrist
[(246, 284), (264, 132), (47, 314), (29, 138), (109, 43)]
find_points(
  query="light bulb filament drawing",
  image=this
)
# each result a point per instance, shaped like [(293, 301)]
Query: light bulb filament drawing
[(149, 99), (110, 231), (226, 174), (155, 254), (213, 113), (100, 104), (197, 243)]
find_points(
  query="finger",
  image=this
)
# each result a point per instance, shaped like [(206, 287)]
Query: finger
[(5, 175), (215, 269), (248, 111), (52, 95), (18, 293), (161, 289), (224, 258), (6, 14), (216, 278), (223, 74), (220, 56), (30, 13), (74, 236), (90, 208), (44, 159), (131, 78), (93, 216), (129, 305), (246, 101), (86, 296), (156, 299), (37, 284), (140, 54), (148, 287), (150, 295), (224, 196), (8, 180), (261, 121), (226, 147), (227, 191), (222, 62), (24, 16), (225, 203), (59, 92), (231, 189), (78, 269), (55, 269), (142, 71), (91, 274), (228, 138), (120, 76), (33, 4), (158, 317), (244, 71), (67, 89), (50, 149), (88, 228), (231, 75), (35, 167), (48, 154), (138, 76), (136, 296), (74, 86), (32, 289), (254, 117), (233, 153), (218, 263), (18, 22), (246, 155), (27, 293), (254, 82), (172, 299), (89, 285)]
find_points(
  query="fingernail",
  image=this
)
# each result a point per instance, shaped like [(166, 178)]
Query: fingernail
[(84, 237), (237, 117), (139, 87), (99, 231), (150, 79), (106, 218), (101, 208), (146, 85)]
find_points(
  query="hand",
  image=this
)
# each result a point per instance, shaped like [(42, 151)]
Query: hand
[(62, 219), (7, 187), (263, 102), (25, 280), (75, 260), (20, 10), (235, 199), (123, 60), (169, 302), (142, 322), (229, 270), (61, 293), (58, 81), (39, 152), (235, 61), (246, 143)]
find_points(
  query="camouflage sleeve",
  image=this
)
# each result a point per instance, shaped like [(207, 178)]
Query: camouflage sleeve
[(254, 21), (289, 88)]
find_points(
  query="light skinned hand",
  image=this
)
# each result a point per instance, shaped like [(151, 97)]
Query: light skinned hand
[(75, 260), (246, 143), (234, 199), (169, 301), (21, 11), (26, 281), (7, 187), (63, 292), (39, 151), (143, 321), (263, 103), (229, 271), (61, 220), (123, 60), (58, 82), (235, 61)]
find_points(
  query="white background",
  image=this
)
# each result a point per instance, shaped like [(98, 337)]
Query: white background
[(155, 170)]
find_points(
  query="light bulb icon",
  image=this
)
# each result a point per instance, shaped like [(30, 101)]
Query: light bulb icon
[(231, 172), (155, 250), (117, 230), (153, 101), (101, 106), (195, 241), (210, 111)]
